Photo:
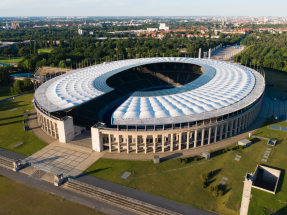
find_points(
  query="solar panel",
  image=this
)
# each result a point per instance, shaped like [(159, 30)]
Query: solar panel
[(278, 128), (275, 127)]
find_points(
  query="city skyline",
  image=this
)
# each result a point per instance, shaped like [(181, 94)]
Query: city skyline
[(18, 8)]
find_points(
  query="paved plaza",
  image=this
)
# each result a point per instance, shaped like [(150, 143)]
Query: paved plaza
[(61, 158)]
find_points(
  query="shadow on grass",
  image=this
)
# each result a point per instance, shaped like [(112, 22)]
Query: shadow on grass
[(12, 117), (92, 172), (9, 123), (171, 156), (281, 179), (8, 105), (282, 211), (215, 172), (255, 140)]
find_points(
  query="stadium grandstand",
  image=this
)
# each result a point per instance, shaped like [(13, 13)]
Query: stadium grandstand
[(151, 104)]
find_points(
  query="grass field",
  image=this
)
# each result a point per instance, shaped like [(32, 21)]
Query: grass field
[(44, 50), (11, 127), (181, 182), (20, 199), (7, 61), (5, 92)]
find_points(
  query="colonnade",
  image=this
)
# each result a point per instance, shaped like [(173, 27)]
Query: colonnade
[(48, 125), (171, 140)]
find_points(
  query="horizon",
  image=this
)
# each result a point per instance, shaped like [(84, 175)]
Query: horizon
[(149, 8)]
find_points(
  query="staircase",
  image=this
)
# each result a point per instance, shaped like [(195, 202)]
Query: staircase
[(116, 199), (6, 162)]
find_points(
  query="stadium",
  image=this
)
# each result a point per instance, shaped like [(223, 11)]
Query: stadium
[(151, 105)]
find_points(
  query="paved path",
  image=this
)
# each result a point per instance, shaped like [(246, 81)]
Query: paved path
[(246, 197), (64, 193), (36, 129), (62, 158)]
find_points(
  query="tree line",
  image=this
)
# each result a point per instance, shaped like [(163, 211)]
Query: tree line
[(264, 50)]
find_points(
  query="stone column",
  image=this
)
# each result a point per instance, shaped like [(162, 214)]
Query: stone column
[(154, 146), (162, 142), (231, 127), (137, 142), (215, 134), (187, 139), (226, 130), (171, 142), (110, 143), (97, 139), (119, 144), (221, 131), (202, 137), (209, 54), (179, 140), (235, 127), (195, 138), (145, 144), (199, 53), (240, 123), (128, 144), (209, 136)]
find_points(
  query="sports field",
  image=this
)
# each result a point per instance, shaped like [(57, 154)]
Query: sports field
[(44, 50), (12, 60)]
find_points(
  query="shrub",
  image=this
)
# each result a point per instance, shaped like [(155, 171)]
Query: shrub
[(226, 149), (241, 147), (204, 184), (195, 159), (178, 160), (184, 161)]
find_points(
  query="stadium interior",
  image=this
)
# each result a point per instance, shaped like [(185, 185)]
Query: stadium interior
[(149, 77)]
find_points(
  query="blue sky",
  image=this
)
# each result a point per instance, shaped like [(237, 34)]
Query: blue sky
[(143, 8)]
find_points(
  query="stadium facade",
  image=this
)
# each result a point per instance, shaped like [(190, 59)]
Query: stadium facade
[(151, 104)]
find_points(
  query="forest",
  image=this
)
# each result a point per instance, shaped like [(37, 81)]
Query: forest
[(264, 50)]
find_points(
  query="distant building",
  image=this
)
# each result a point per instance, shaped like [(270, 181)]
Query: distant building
[(91, 33), (151, 29), (80, 31), (162, 26)]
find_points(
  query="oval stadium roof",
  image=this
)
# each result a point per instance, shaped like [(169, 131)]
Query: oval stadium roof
[(222, 88)]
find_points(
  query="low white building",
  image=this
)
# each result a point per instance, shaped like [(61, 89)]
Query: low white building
[(162, 26), (80, 31), (91, 33)]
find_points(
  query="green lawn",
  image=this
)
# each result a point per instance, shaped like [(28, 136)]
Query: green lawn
[(11, 127), (44, 50), (7, 61), (5, 92), (20, 199), (181, 182)]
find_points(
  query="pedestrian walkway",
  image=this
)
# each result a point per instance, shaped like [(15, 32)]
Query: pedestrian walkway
[(60, 158), (246, 197)]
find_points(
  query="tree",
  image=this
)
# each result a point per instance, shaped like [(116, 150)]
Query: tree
[(7, 51), (62, 64), (27, 84), (17, 87)]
